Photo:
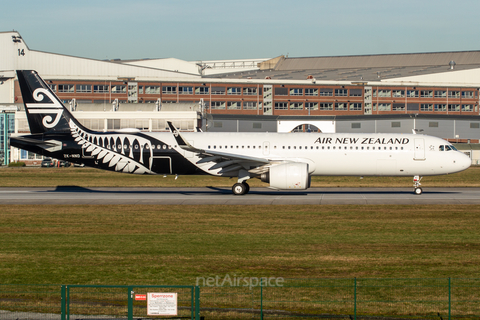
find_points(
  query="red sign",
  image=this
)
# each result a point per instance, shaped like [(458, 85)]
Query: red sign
[(140, 297)]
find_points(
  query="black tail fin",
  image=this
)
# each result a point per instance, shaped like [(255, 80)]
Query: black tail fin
[(45, 112)]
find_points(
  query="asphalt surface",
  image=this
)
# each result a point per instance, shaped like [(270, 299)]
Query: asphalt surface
[(256, 196)]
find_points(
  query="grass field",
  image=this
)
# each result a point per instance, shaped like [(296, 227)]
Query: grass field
[(174, 245)]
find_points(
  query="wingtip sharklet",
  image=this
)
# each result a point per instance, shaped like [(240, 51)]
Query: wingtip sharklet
[(182, 143)]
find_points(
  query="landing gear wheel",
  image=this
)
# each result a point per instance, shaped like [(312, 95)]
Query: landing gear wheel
[(239, 188), (416, 185), (247, 187)]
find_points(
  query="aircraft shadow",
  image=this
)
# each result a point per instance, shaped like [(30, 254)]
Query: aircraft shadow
[(253, 191)]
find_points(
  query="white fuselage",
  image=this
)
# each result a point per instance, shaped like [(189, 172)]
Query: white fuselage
[(335, 154)]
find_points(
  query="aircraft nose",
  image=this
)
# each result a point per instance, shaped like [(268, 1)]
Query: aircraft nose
[(464, 161)]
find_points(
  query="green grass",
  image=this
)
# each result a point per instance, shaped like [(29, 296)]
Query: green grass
[(173, 245), (87, 177), (176, 244)]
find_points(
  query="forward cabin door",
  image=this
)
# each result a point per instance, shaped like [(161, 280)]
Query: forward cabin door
[(419, 149)]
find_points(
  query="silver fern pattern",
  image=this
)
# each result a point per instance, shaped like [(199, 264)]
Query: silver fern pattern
[(116, 150)]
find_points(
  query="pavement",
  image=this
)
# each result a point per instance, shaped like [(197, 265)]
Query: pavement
[(256, 196)]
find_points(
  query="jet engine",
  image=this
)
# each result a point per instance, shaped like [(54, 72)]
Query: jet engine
[(288, 176)]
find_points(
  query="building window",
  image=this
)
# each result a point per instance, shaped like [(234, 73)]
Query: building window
[(433, 124), (100, 89), (440, 107), (169, 90), (467, 107), (119, 89), (201, 90), (440, 93), (257, 125), (426, 93), (218, 90), (249, 105), (467, 94), (474, 125), (234, 105), (453, 107), (356, 92), (356, 125), (396, 124), (113, 124), (412, 93), (398, 107), (384, 107), (384, 93), (250, 91), (52, 87), (152, 90), (217, 124), (281, 105), (296, 106), (426, 107), (281, 91), (296, 92), (412, 106), (234, 90), (341, 92), (66, 88), (311, 92), (398, 93), (185, 90), (326, 92), (341, 106), (84, 88), (326, 106), (311, 106), (355, 107), (454, 94), (218, 105)]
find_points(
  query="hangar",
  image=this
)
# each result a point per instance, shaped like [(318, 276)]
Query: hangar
[(432, 93)]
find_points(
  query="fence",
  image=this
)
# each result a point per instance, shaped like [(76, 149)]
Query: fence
[(442, 299)]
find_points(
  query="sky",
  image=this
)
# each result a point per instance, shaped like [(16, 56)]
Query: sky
[(243, 29)]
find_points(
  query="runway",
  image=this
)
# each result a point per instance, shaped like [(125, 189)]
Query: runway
[(223, 196)]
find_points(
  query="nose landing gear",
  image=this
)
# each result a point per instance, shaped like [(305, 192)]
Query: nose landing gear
[(416, 184)]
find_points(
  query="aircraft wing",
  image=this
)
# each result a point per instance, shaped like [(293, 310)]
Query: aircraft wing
[(226, 161)]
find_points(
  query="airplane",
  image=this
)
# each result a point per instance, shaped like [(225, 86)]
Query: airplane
[(285, 161)]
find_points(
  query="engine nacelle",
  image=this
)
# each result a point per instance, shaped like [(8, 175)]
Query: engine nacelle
[(288, 176)]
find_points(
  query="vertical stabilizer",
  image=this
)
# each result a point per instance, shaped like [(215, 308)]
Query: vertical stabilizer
[(45, 112)]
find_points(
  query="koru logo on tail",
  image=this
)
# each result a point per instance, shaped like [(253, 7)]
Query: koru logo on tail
[(52, 107)]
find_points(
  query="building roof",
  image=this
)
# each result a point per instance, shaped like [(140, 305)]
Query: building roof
[(363, 67)]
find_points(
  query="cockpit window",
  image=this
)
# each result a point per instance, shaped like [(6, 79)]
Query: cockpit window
[(446, 148)]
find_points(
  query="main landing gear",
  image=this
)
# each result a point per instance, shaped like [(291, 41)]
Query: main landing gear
[(240, 188), (416, 184)]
